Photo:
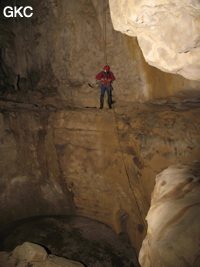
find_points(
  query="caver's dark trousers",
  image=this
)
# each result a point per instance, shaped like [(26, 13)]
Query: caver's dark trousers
[(108, 90)]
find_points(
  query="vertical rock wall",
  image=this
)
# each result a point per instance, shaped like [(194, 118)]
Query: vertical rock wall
[(99, 164), (110, 162), (62, 46), (30, 181)]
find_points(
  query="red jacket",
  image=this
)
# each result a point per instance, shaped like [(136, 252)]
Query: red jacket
[(105, 77)]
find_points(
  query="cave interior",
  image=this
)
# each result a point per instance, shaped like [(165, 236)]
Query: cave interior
[(79, 180)]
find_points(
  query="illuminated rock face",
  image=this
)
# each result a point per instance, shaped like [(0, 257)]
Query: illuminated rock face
[(173, 219), (62, 47), (168, 32)]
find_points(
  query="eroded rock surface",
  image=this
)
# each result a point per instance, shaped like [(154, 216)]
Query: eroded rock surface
[(168, 32), (173, 219)]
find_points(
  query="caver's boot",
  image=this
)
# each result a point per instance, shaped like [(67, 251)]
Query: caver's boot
[(101, 102)]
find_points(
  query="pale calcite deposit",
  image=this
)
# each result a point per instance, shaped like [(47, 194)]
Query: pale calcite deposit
[(168, 32), (173, 219)]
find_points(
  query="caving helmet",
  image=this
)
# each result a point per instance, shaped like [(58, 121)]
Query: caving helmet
[(106, 68)]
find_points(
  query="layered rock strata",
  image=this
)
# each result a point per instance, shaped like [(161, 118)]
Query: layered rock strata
[(100, 164)]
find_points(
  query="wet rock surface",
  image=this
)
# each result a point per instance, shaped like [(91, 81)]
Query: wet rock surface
[(75, 238)]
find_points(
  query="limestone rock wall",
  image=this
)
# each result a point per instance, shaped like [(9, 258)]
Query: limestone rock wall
[(99, 164), (30, 181), (154, 136), (110, 162), (168, 32), (62, 46), (173, 219)]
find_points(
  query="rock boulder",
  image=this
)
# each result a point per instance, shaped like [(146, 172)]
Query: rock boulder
[(168, 32), (173, 219)]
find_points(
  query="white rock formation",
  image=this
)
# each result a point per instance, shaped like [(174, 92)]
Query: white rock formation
[(29, 254), (168, 32), (173, 234)]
